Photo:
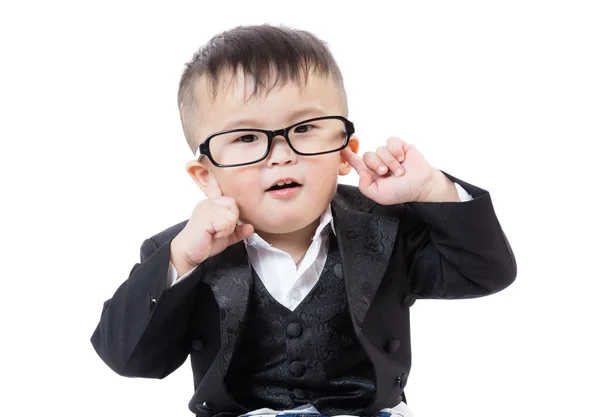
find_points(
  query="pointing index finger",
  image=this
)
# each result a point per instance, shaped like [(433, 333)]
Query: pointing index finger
[(354, 160), (214, 192)]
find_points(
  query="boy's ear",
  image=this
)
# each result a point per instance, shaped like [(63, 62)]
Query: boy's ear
[(345, 166), (204, 177)]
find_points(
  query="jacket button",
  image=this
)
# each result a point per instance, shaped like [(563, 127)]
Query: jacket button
[(198, 344), (392, 345), (152, 302), (409, 300), (294, 329), (297, 368), (204, 409), (402, 379)]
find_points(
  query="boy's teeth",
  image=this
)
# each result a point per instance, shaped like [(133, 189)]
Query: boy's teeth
[(280, 183), (288, 182)]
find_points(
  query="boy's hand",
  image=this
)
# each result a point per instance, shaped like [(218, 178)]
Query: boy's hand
[(398, 173), (212, 227)]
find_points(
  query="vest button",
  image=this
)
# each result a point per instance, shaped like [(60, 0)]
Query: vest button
[(300, 394), (294, 329), (297, 368), (337, 270)]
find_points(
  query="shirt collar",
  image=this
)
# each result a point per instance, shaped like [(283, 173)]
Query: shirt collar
[(325, 221)]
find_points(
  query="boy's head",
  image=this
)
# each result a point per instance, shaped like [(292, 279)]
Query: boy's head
[(264, 77)]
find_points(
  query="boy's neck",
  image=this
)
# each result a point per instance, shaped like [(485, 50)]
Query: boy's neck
[(294, 243)]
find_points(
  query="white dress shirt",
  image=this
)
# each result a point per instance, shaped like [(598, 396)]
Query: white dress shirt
[(277, 269)]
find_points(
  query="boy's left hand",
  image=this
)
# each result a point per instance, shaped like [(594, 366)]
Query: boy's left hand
[(398, 173)]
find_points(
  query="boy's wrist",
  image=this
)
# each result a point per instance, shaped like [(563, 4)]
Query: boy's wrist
[(179, 260), (441, 189)]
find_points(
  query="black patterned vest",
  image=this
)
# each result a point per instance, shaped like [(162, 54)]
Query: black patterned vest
[(311, 355)]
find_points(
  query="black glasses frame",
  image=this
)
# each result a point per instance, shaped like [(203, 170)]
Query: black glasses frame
[(271, 134)]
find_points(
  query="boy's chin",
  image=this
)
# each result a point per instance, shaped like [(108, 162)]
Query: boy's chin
[(283, 225)]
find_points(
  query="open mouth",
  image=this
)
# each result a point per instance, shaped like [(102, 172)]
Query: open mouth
[(283, 185)]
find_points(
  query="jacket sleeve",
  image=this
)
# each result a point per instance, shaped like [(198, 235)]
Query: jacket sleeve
[(143, 328), (456, 249)]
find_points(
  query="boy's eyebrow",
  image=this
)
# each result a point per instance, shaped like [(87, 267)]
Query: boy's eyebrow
[(236, 123)]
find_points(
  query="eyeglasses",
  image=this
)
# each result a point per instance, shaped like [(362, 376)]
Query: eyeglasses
[(317, 136)]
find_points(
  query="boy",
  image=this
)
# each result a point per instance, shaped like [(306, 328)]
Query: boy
[(286, 289)]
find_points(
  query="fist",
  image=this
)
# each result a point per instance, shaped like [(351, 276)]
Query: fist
[(212, 227), (395, 173)]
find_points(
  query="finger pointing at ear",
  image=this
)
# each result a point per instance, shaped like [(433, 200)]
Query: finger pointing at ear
[(366, 183), (355, 161)]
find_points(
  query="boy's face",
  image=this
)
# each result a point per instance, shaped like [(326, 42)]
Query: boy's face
[(265, 210)]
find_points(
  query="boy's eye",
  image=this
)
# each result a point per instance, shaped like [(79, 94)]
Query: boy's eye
[(302, 129), (248, 138)]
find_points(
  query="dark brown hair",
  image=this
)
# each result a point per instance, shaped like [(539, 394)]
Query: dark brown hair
[(259, 51)]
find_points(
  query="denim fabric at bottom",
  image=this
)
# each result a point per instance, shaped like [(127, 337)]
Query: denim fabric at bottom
[(310, 411)]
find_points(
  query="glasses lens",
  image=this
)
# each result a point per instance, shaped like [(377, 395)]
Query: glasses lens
[(238, 147), (318, 136)]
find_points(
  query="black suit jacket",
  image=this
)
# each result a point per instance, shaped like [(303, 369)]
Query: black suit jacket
[(391, 256)]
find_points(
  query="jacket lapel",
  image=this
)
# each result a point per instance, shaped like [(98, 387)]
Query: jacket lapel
[(230, 277), (366, 242)]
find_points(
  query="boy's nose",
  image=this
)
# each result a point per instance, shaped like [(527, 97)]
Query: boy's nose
[(280, 152)]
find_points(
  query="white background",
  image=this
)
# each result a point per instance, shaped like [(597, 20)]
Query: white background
[(504, 95)]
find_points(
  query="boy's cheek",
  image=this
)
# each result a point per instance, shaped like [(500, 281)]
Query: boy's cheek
[(239, 184)]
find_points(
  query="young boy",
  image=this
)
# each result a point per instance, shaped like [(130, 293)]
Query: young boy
[(286, 289)]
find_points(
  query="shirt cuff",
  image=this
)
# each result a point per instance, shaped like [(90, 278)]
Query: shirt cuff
[(462, 193), (172, 275)]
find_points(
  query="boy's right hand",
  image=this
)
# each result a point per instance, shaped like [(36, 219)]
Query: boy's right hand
[(211, 228)]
